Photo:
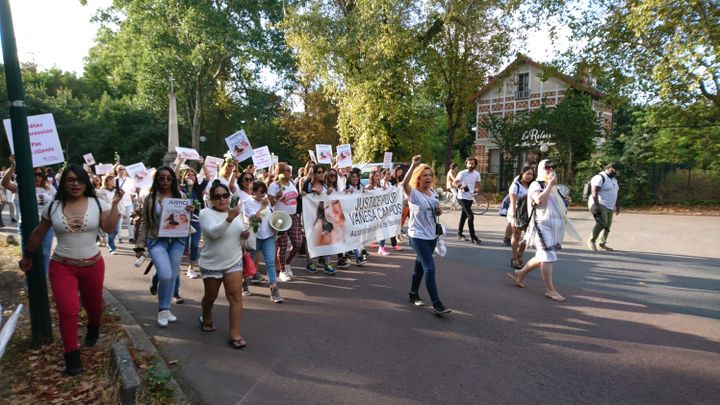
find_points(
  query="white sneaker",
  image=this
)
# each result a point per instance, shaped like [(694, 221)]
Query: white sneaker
[(283, 276), (288, 270), (171, 318), (162, 320), (192, 273)]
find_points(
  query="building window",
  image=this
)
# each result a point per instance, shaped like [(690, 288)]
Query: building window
[(523, 89), (494, 164)]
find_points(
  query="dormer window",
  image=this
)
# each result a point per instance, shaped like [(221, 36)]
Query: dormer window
[(523, 87)]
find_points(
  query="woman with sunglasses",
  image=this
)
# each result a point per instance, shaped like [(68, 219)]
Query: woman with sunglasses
[(166, 253), (76, 215), (258, 208), (315, 183), (220, 262), (546, 230), (283, 197)]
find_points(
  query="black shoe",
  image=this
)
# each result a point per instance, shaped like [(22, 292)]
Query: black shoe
[(131, 241), (475, 240), (256, 279), (178, 299), (153, 289), (342, 263), (73, 366), (91, 337), (439, 309), (506, 242), (415, 299), (462, 237), (364, 254), (13, 220)]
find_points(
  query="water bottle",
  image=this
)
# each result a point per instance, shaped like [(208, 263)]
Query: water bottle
[(140, 260)]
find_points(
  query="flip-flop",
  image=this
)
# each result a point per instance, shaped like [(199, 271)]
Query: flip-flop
[(558, 298), (517, 283), (204, 327), (237, 343)]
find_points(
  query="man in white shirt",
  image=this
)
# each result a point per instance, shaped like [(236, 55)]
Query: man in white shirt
[(603, 203), (467, 181)]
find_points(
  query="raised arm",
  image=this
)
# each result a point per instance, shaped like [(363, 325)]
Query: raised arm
[(7, 177), (408, 175)]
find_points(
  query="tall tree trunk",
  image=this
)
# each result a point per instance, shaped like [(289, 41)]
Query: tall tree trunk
[(449, 110), (197, 115)]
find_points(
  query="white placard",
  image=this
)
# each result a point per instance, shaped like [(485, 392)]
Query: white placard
[(312, 156), (212, 164), (89, 159), (187, 153), (324, 154), (239, 145), (344, 155), (387, 160), (261, 157), (139, 174), (275, 160), (44, 140), (174, 218), (101, 169)]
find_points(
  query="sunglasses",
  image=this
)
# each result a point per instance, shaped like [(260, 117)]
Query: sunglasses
[(332, 175), (220, 196), (165, 178), (547, 167), (247, 179), (38, 174)]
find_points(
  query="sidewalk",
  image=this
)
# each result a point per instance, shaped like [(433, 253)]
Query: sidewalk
[(643, 321)]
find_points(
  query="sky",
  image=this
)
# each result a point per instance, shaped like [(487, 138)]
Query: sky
[(58, 33)]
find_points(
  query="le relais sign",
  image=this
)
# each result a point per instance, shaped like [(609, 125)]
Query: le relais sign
[(536, 137)]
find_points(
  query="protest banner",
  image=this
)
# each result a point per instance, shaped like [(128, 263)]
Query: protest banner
[(44, 140), (212, 164), (312, 156), (103, 169), (174, 218), (387, 160), (341, 222), (187, 153), (261, 157), (239, 145), (139, 174), (89, 159), (344, 155), (324, 154)]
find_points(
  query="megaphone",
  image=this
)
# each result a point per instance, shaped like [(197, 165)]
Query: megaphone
[(280, 221)]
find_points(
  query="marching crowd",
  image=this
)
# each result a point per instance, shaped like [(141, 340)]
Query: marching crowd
[(84, 211)]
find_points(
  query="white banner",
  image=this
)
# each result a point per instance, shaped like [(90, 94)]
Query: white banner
[(44, 140), (344, 155), (387, 160), (139, 174), (261, 157), (187, 153), (174, 219), (239, 145), (341, 222), (324, 154), (103, 169), (212, 164)]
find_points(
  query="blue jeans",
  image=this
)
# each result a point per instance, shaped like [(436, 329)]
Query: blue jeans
[(166, 254), (46, 249), (393, 242), (267, 247), (424, 263), (176, 293), (194, 241), (111, 237)]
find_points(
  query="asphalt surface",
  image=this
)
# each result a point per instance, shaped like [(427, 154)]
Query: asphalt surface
[(640, 325)]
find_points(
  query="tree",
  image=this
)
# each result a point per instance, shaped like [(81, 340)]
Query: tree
[(670, 49)]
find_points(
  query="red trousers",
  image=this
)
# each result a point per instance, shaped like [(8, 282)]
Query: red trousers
[(66, 281)]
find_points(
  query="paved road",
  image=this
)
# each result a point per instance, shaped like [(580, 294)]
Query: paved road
[(640, 326)]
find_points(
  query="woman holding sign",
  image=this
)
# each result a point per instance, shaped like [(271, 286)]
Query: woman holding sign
[(166, 252), (423, 230)]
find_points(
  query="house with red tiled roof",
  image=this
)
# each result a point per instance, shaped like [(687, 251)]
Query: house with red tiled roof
[(524, 86)]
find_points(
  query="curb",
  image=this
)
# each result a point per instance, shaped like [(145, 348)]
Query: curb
[(141, 341)]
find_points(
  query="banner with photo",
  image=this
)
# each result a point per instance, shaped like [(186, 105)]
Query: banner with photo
[(174, 218), (239, 145), (341, 222)]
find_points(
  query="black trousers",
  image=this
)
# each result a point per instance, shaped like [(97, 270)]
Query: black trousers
[(466, 214)]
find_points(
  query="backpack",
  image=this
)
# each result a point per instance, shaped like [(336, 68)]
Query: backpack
[(504, 206), (587, 187), (522, 218)]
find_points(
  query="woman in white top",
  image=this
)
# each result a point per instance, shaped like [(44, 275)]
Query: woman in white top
[(546, 230), (257, 209), (424, 212), (106, 194), (518, 189), (76, 215), (283, 197), (221, 259)]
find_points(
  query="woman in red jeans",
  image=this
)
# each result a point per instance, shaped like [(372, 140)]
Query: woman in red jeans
[(75, 215)]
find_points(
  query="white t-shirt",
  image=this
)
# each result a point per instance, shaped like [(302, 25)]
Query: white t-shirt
[(608, 191), (128, 187), (250, 207), (468, 179), (107, 196), (421, 223), (519, 190), (76, 244), (222, 240), (44, 197), (289, 200)]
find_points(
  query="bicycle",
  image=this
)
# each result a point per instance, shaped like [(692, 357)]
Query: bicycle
[(482, 204), (449, 203)]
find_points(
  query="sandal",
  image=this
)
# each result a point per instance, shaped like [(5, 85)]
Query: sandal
[(206, 327), (516, 264), (238, 343), (513, 277)]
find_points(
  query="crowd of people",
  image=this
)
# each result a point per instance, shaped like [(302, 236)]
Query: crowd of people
[(84, 212)]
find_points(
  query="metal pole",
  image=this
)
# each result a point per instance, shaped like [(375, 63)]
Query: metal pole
[(37, 286)]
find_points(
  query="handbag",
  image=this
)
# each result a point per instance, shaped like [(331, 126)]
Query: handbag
[(249, 269)]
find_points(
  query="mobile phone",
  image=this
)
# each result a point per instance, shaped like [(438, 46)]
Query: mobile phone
[(233, 201), (117, 183)]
